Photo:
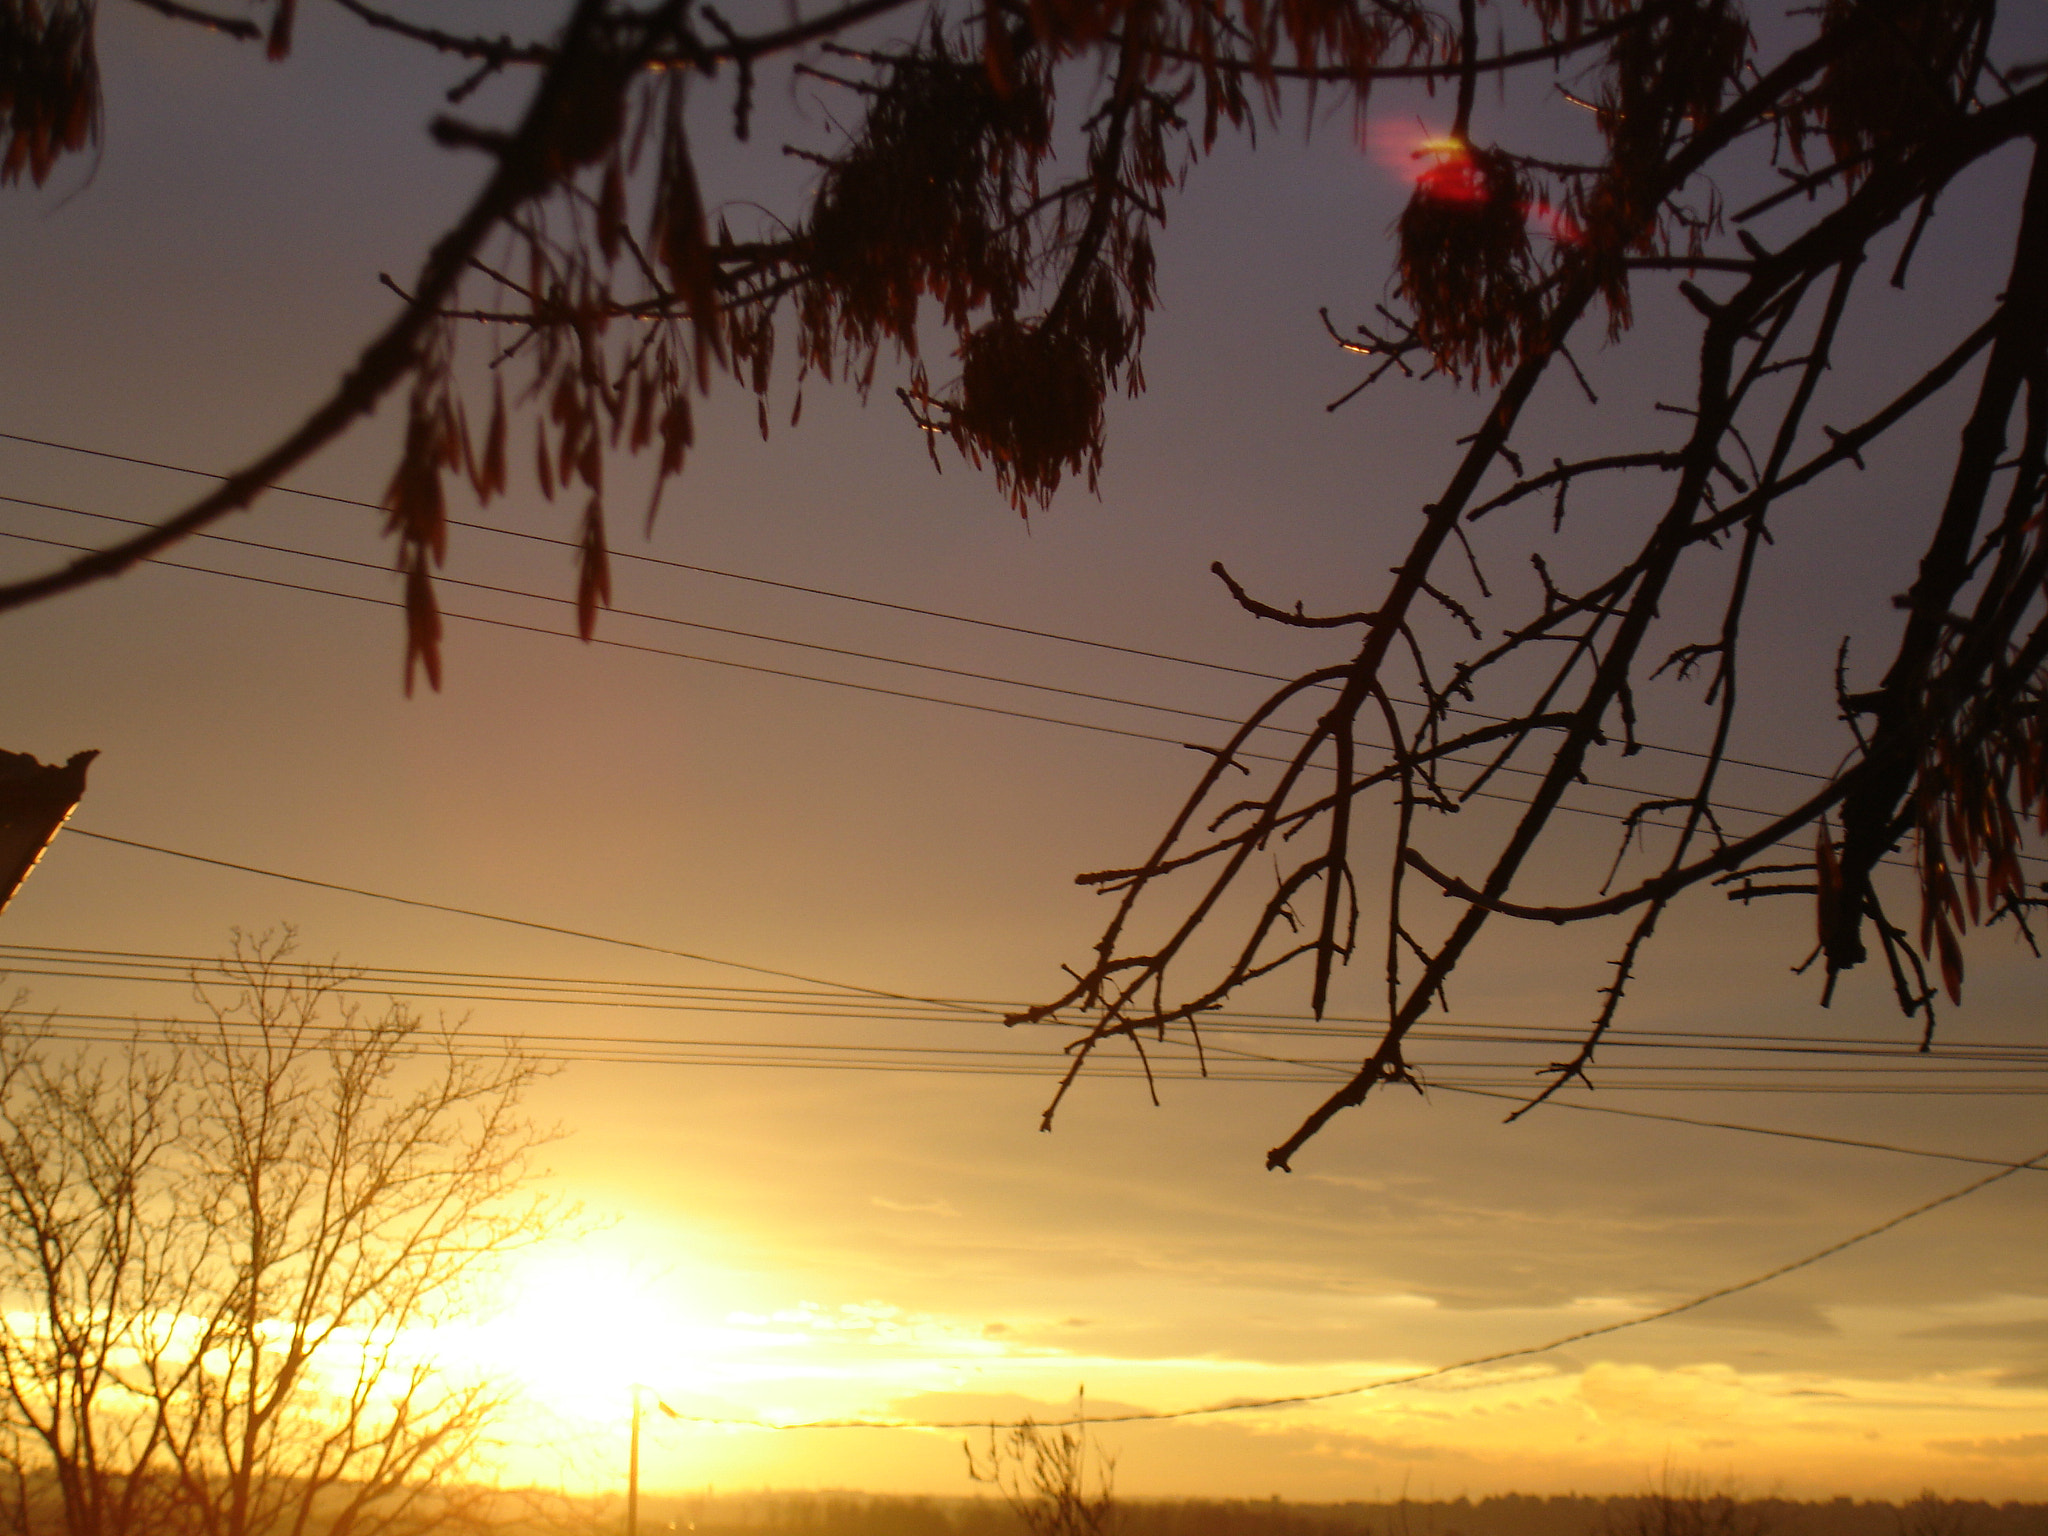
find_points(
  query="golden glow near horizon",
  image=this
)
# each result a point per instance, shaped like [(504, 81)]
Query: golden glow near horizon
[(584, 1323)]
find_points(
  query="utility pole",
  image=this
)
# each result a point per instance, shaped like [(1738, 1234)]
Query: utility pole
[(633, 1469)]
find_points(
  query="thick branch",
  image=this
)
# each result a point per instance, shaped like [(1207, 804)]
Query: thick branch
[(1659, 887), (387, 360), (238, 27)]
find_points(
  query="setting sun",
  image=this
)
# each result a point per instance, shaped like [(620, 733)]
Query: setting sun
[(584, 1321)]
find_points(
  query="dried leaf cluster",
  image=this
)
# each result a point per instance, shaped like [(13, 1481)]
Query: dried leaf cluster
[(49, 85), (949, 206)]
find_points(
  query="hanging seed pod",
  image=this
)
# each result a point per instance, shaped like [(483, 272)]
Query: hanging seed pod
[(1466, 267), (921, 205), (1898, 78), (1031, 404), (49, 86)]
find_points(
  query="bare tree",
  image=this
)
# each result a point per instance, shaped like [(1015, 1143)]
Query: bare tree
[(1056, 1478), (1685, 1505), (236, 1244), (1930, 1514), (94, 1280)]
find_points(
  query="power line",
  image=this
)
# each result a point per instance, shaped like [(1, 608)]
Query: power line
[(73, 830), (964, 673), (1521, 1098), (1177, 1064), (500, 623), (826, 592), (932, 667), (1214, 1031), (102, 1030), (655, 650), (1244, 755), (155, 968), (996, 1011), (861, 1009), (631, 613), (364, 979), (1752, 1130), (708, 570)]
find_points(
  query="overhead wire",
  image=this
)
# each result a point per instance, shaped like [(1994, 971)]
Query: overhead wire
[(421, 985), (1027, 715), (73, 830), (1217, 1033), (654, 650), (699, 570), (936, 668), (993, 1011), (1242, 754), (967, 674), (434, 984), (1753, 1130), (1173, 1062), (629, 613), (827, 592), (1519, 1096), (743, 634), (1498, 1357)]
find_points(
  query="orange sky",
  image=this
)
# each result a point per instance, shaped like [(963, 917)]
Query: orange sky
[(795, 1243)]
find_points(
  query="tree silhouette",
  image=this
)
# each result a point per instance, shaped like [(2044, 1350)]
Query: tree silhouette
[(610, 296), (1056, 1478), (225, 1254)]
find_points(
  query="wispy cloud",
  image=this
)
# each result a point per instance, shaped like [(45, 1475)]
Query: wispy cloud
[(933, 1207)]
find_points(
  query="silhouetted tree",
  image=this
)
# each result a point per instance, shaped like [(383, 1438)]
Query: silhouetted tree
[(951, 201), (1932, 1515), (1056, 1478), (1685, 1505), (224, 1256)]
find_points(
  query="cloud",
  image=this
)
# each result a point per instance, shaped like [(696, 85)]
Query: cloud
[(932, 1207), (2010, 1445), (1770, 1311), (2014, 1330), (1690, 1397)]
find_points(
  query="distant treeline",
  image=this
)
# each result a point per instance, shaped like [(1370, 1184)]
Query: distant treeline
[(1690, 1512)]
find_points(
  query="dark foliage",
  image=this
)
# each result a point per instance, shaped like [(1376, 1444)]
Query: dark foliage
[(49, 85)]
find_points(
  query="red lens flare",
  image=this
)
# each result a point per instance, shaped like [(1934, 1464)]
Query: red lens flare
[(1444, 169), (1448, 173)]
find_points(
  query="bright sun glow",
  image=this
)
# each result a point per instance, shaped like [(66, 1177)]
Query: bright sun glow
[(584, 1321)]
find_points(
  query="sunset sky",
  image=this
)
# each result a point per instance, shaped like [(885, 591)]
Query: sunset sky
[(779, 1240)]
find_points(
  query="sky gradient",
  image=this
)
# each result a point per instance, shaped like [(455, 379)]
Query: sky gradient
[(785, 1243)]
